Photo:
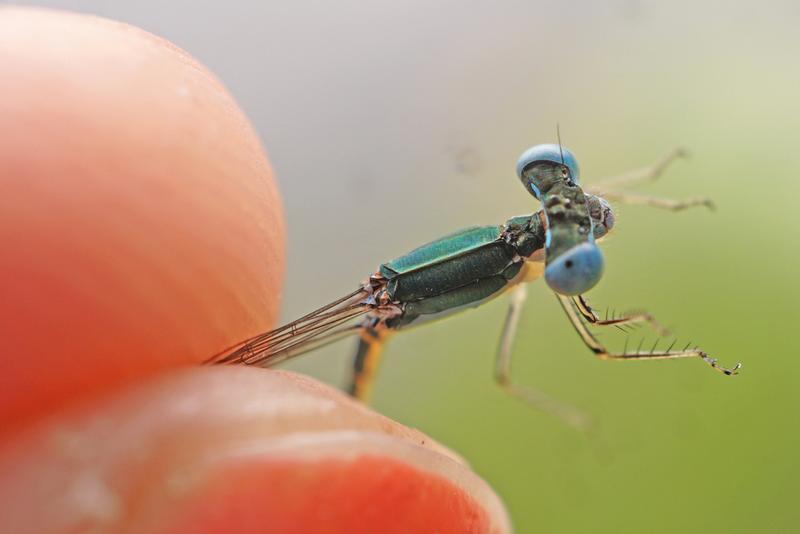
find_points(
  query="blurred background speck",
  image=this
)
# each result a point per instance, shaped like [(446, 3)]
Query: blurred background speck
[(392, 123)]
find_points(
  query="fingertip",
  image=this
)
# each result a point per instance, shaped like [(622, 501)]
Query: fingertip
[(340, 482), (239, 447), (140, 224)]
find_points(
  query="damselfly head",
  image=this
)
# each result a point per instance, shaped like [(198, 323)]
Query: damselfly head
[(602, 215), (576, 271), (549, 153)]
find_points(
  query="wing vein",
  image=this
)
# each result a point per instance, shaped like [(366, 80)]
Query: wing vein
[(303, 334)]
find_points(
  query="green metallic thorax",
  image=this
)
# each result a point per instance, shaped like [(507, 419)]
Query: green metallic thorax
[(461, 269)]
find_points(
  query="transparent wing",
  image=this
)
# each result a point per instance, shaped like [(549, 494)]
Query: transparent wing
[(320, 327)]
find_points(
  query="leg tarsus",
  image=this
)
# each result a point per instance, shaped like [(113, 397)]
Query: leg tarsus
[(569, 414), (725, 371)]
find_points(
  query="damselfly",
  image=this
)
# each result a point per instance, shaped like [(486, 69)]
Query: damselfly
[(469, 267)]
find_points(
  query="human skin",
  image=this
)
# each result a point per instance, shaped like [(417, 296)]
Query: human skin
[(141, 231)]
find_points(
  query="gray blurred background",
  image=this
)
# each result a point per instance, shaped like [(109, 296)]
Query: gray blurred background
[(391, 123)]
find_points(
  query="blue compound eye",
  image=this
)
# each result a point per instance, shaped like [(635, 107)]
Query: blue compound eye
[(576, 271), (550, 153)]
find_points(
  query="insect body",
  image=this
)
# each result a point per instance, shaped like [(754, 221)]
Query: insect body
[(471, 266)]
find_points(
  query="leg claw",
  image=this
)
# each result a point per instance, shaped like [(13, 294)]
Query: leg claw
[(729, 372)]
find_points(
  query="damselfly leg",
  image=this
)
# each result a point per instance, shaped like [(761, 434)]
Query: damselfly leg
[(527, 394), (571, 415), (650, 173), (657, 202), (576, 318), (609, 188), (367, 360), (619, 321)]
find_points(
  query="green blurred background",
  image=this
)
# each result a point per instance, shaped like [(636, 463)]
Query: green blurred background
[(391, 123)]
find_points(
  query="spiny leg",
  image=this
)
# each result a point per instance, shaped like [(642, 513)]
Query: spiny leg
[(588, 313), (539, 400), (366, 361), (601, 352)]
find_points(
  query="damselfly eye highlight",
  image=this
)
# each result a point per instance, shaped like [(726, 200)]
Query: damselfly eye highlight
[(576, 271)]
